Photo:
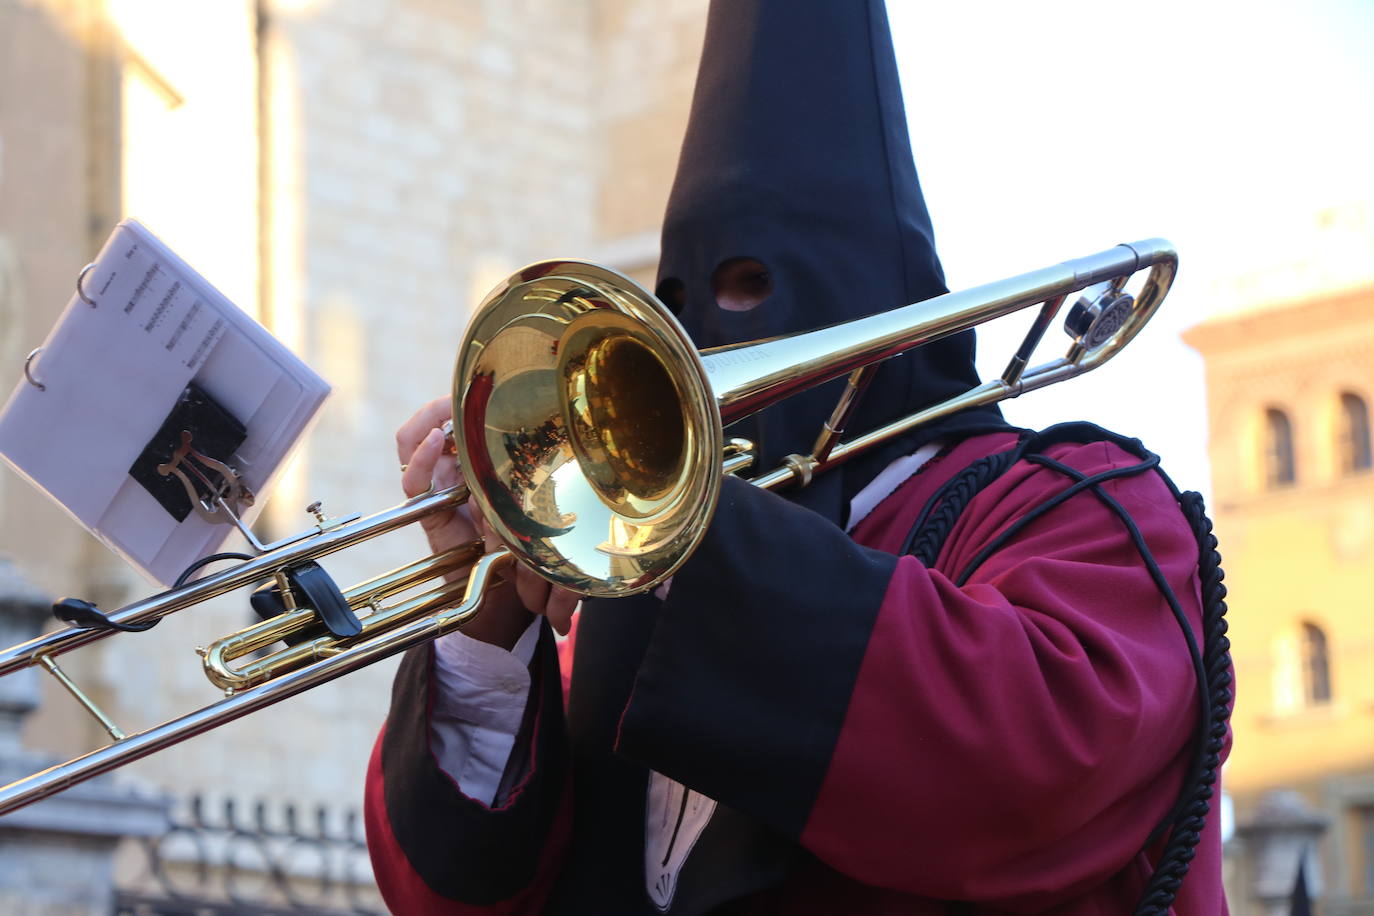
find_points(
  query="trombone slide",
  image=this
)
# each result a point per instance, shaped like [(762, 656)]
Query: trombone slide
[(642, 470)]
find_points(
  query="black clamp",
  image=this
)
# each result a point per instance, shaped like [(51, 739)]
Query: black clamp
[(313, 588)]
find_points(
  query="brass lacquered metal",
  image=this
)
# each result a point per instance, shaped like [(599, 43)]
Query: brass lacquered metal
[(586, 428), (744, 378), (834, 427), (219, 655), (589, 430), (748, 377)]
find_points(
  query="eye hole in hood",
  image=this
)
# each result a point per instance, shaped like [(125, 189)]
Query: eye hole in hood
[(741, 284), (672, 293)]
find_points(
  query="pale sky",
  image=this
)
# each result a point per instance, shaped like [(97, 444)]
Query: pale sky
[(1241, 132)]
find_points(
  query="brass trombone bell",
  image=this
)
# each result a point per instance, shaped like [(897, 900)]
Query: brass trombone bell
[(587, 431)]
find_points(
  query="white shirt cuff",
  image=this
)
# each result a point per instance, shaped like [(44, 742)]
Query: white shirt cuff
[(479, 701)]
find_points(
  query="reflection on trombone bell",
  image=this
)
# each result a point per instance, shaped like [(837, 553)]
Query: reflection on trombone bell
[(589, 430)]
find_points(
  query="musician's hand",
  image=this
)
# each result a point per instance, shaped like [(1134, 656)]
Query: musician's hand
[(504, 616), (420, 448), (536, 593)]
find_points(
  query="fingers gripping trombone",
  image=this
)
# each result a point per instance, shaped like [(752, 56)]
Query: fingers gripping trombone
[(583, 487)]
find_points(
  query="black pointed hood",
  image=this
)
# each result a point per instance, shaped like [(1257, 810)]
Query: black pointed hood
[(796, 156)]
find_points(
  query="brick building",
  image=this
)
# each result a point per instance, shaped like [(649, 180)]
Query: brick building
[(1289, 388)]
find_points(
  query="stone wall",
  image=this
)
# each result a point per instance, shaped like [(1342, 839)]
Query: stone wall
[(47, 149), (644, 91), (376, 166), (58, 164)]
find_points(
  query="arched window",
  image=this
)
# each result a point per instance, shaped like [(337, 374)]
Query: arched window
[(1316, 665), (1354, 444), (1278, 449)]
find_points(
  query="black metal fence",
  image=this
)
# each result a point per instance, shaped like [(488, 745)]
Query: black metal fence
[(261, 863)]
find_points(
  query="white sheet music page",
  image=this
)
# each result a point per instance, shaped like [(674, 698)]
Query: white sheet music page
[(113, 371)]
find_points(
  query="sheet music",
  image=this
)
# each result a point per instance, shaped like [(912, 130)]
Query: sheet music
[(112, 373)]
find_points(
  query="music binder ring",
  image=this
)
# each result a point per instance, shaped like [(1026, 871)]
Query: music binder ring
[(33, 354), (80, 290), (28, 369)]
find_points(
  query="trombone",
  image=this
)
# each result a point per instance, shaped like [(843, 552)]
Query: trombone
[(590, 433)]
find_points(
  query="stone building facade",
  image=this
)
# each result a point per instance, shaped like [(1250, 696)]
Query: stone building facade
[(1289, 392), (355, 174)]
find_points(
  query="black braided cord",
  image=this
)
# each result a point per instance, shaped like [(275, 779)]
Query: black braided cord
[(1212, 663), (1188, 823), (928, 535)]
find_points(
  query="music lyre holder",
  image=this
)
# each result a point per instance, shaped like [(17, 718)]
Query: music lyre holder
[(226, 493)]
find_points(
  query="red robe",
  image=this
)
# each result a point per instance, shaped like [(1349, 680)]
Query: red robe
[(879, 739)]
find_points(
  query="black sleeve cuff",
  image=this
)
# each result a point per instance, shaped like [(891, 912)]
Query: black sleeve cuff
[(748, 676), (462, 849)]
